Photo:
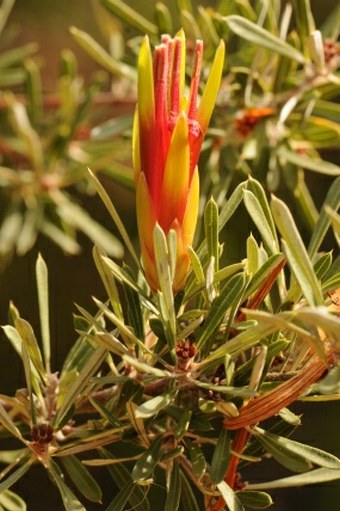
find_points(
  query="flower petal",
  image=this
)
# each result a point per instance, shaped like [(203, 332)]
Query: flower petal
[(176, 178), (146, 99), (211, 89), (136, 147), (191, 212), (146, 217)]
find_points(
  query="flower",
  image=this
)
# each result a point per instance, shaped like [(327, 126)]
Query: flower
[(168, 133)]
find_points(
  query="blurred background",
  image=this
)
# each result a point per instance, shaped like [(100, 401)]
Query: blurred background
[(74, 279)]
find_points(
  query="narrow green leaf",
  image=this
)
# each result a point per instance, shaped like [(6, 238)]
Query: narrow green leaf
[(108, 280), (146, 464), (82, 478), (28, 338), (130, 16), (255, 499), (263, 273), (80, 383), (28, 376), (42, 287), (229, 295), (230, 497), (243, 341), (231, 204), (211, 230), (261, 37), (220, 459), (296, 253), (70, 501), (153, 406), (174, 490), (259, 218), (134, 309)]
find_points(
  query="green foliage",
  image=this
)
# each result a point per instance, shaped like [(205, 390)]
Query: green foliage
[(155, 380)]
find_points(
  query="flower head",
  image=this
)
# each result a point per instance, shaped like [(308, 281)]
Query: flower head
[(169, 130)]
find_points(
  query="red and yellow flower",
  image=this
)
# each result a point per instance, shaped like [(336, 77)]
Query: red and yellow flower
[(169, 130)]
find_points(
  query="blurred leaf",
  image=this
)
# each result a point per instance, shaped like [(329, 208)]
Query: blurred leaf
[(5, 11), (130, 16), (304, 18), (261, 37), (164, 19), (111, 128), (82, 479), (60, 238), (78, 217), (11, 501), (220, 459), (324, 167), (319, 475), (255, 499), (70, 501), (8, 423), (17, 55), (230, 497), (101, 56), (331, 26), (230, 294), (16, 475)]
